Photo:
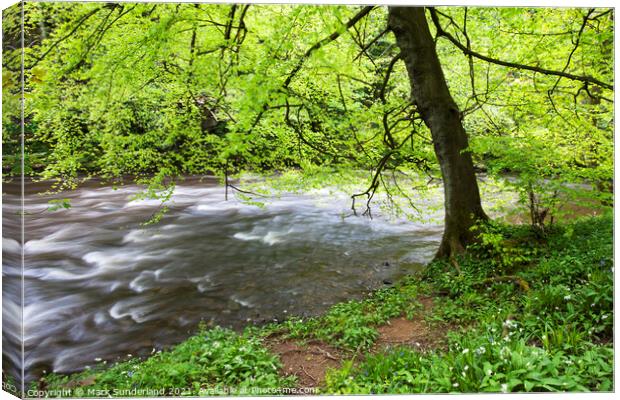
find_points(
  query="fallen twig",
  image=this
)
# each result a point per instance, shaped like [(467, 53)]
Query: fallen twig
[(307, 373), (326, 354)]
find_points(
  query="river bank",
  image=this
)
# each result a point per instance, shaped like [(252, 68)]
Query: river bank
[(540, 319), (99, 284)]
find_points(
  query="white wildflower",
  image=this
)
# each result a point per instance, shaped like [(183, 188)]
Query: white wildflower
[(455, 384), (510, 324), (97, 359), (481, 350), (504, 388), (465, 351), (567, 297)]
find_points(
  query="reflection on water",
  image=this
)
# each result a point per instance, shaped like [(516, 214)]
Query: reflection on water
[(100, 285)]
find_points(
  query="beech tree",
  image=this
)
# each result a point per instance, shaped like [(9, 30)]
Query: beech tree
[(432, 97)]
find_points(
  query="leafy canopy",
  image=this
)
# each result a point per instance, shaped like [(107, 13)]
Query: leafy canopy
[(158, 91)]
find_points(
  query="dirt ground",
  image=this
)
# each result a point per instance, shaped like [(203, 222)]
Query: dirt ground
[(416, 333), (310, 361)]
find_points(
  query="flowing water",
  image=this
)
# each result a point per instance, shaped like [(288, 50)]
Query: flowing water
[(99, 285)]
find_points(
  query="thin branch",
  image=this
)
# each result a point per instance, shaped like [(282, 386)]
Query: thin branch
[(231, 20), (307, 54), (79, 23), (325, 41), (370, 192), (373, 41), (245, 191), (346, 112), (386, 79), (575, 47), (544, 71)]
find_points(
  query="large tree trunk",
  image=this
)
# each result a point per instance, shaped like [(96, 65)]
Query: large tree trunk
[(441, 114)]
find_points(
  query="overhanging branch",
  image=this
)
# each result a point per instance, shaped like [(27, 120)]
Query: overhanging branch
[(79, 23), (325, 41), (544, 71), (335, 35)]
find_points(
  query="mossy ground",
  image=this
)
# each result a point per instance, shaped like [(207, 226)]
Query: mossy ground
[(526, 313)]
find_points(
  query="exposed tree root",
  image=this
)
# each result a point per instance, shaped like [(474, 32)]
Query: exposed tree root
[(455, 264)]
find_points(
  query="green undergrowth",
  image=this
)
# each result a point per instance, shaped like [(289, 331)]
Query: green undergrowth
[(548, 327), (352, 325), (215, 361), (527, 313)]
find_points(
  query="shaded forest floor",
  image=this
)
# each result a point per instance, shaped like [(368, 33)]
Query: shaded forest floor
[(526, 313)]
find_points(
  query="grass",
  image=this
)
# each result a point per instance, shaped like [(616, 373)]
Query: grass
[(216, 361), (352, 325), (554, 336), (553, 333)]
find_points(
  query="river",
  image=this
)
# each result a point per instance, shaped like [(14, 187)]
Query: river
[(100, 285)]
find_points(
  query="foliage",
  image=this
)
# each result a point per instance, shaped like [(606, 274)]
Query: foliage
[(215, 89), (551, 135), (215, 360), (58, 204), (504, 249), (476, 364), (554, 337), (351, 325)]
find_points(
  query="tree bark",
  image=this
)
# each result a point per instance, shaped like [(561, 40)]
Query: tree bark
[(441, 114)]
